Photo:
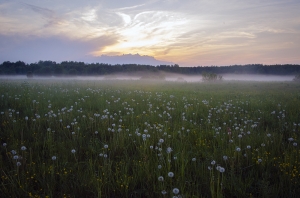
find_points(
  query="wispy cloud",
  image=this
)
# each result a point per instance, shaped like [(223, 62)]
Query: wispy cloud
[(192, 32)]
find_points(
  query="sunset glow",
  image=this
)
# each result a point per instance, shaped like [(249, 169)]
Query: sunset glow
[(188, 33)]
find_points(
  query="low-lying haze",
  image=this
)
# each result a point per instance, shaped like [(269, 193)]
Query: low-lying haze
[(168, 77)]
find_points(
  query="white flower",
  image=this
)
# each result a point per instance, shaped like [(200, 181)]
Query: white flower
[(23, 148), (160, 178), (15, 157), (159, 166), (259, 160), (13, 152), (161, 140), (151, 147), (240, 136), (4, 144), (295, 144), (19, 164), (73, 151), (225, 157), (222, 170), (105, 146), (248, 147), (96, 132), (105, 156), (263, 144), (213, 162), (269, 135), (163, 192), (53, 157), (238, 149), (170, 174), (194, 159), (291, 139), (175, 191), (169, 150)]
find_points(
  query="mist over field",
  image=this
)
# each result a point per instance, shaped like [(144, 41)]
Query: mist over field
[(167, 77)]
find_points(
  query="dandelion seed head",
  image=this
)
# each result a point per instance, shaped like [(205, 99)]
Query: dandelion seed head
[(175, 191), (295, 144), (170, 174), (163, 192), (23, 148), (160, 178)]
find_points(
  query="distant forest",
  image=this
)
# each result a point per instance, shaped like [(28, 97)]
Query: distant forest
[(71, 68)]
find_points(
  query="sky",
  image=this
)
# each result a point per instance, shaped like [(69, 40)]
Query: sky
[(188, 33)]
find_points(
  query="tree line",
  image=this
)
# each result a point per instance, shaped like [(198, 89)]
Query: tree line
[(71, 68)]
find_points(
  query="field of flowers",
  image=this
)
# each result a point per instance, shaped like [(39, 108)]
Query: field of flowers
[(149, 139)]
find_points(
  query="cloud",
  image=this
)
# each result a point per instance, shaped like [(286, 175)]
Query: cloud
[(191, 31), (32, 49)]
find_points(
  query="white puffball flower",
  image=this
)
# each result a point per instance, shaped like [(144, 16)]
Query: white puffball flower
[(19, 164), (105, 146), (73, 151), (169, 150), (53, 157), (259, 160), (194, 159), (170, 174), (175, 191), (295, 144), (161, 140), (238, 149), (13, 152), (23, 148), (221, 170), (160, 178), (213, 162), (163, 192), (159, 166), (248, 147), (4, 144)]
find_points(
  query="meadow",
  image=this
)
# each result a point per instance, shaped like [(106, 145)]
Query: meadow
[(122, 138)]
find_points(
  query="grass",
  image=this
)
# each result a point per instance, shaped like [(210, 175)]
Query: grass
[(231, 139)]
